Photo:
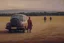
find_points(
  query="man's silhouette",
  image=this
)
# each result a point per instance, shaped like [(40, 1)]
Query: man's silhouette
[(44, 18), (29, 25), (50, 18)]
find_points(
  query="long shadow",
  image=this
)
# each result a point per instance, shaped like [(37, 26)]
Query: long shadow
[(6, 32)]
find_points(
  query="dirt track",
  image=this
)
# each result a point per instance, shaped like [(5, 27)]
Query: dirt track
[(42, 32)]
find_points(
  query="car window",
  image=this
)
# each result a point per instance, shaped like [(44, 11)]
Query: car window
[(20, 17)]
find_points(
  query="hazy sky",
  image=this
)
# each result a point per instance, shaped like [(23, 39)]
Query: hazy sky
[(46, 5)]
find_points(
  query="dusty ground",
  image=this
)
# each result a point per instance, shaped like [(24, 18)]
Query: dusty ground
[(49, 32)]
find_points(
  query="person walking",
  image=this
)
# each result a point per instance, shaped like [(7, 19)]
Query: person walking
[(44, 18), (29, 28), (50, 18)]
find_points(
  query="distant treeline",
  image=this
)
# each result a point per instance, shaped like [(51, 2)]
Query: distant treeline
[(35, 14)]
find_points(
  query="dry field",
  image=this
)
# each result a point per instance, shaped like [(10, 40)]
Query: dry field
[(49, 32)]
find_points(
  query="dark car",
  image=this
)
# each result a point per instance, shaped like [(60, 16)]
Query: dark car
[(18, 23)]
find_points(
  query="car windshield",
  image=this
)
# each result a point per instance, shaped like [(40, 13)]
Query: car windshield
[(20, 17)]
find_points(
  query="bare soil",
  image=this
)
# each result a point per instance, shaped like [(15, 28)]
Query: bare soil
[(42, 32)]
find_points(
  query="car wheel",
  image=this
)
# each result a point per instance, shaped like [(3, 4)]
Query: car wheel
[(23, 30), (10, 31)]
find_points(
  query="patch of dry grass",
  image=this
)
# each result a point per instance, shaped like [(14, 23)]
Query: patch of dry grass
[(41, 32)]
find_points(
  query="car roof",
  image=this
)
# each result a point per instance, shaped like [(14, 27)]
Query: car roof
[(19, 16)]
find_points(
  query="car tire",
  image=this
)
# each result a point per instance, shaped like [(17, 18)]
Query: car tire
[(10, 31), (23, 30)]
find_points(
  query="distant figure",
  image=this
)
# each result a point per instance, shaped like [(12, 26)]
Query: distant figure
[(50, 18), (44, 18), (29, 28)]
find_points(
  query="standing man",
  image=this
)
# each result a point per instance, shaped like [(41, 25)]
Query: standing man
[(44, 18), (50, 18), (29, 28)]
